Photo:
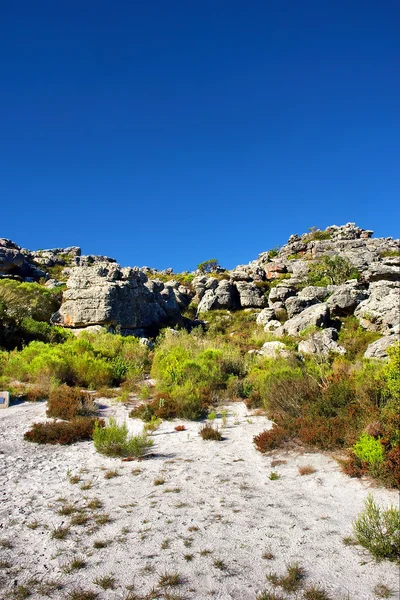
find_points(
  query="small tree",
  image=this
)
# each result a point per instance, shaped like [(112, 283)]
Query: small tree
[(209, 266)]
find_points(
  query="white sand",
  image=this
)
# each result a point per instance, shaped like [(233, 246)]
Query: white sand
[(224, 493)]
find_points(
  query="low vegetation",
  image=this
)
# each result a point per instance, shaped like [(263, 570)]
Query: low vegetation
[(378, 530), (78, 429), (114, 440), (209, 432)]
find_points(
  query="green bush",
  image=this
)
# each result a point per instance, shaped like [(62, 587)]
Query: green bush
[(208, 266), (316, 234), (22, 300), (331, 270), (88, 361), (113, 440), (378, 530), (192, 372), (369, 450)]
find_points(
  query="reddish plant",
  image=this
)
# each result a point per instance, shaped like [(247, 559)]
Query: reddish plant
[(180, 428), (63, 432), (270, 438), (67, 403)]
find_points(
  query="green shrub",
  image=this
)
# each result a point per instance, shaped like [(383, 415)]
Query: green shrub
[(89, 361), (331, 270), (369, 450), (23, 300), (192, 372), (63, 432), (354, 338), (378, 530), (385, 253), (209, 266), (66, 403), (316, 234), (113, 440)]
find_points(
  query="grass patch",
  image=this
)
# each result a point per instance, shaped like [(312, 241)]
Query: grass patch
[(113, 440)]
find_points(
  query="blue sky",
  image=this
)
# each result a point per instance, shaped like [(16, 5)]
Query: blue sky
[(166, 133)]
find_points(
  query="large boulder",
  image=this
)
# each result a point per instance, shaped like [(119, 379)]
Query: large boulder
[(12, 261), (250, 296), (380, 312), (104, 294), (279, 294), (225, 295), (317, 315), (322, 343), (266, 315), (295, 305), (345, 298), (379, 348)]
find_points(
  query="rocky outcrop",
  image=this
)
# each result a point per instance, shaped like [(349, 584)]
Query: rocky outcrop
[(99, 292), (345, 298), (14, 263), (380, 311), (116, 298)]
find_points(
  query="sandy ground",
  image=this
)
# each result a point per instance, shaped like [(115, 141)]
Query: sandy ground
[(211, 521)]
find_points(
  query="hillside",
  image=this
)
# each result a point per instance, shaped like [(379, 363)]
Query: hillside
[(204, 434)]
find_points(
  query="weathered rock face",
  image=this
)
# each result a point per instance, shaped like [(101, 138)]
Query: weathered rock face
[(346, 298), (322, 343), (107, 295), (379, 348), (313, 316), (380, 311), (99, 292), (13, 263), (250, 296)]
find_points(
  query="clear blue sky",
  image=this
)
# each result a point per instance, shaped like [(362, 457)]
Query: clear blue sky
[(166, 133)]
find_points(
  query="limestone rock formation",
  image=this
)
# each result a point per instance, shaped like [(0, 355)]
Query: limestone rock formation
[(380, 311), (322, 343), (379, 348), (123, 299), (317, 315)]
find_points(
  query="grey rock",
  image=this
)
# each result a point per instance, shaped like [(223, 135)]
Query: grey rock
[(346, 298), (271, 326), (280, 294), (381, 311), (104, 294), (274, 350), (379, 348), (250, 296), (295, 305), (322, 343), (225, 295), (380, 271), (313, 292), (267, 314), (317, 315)]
